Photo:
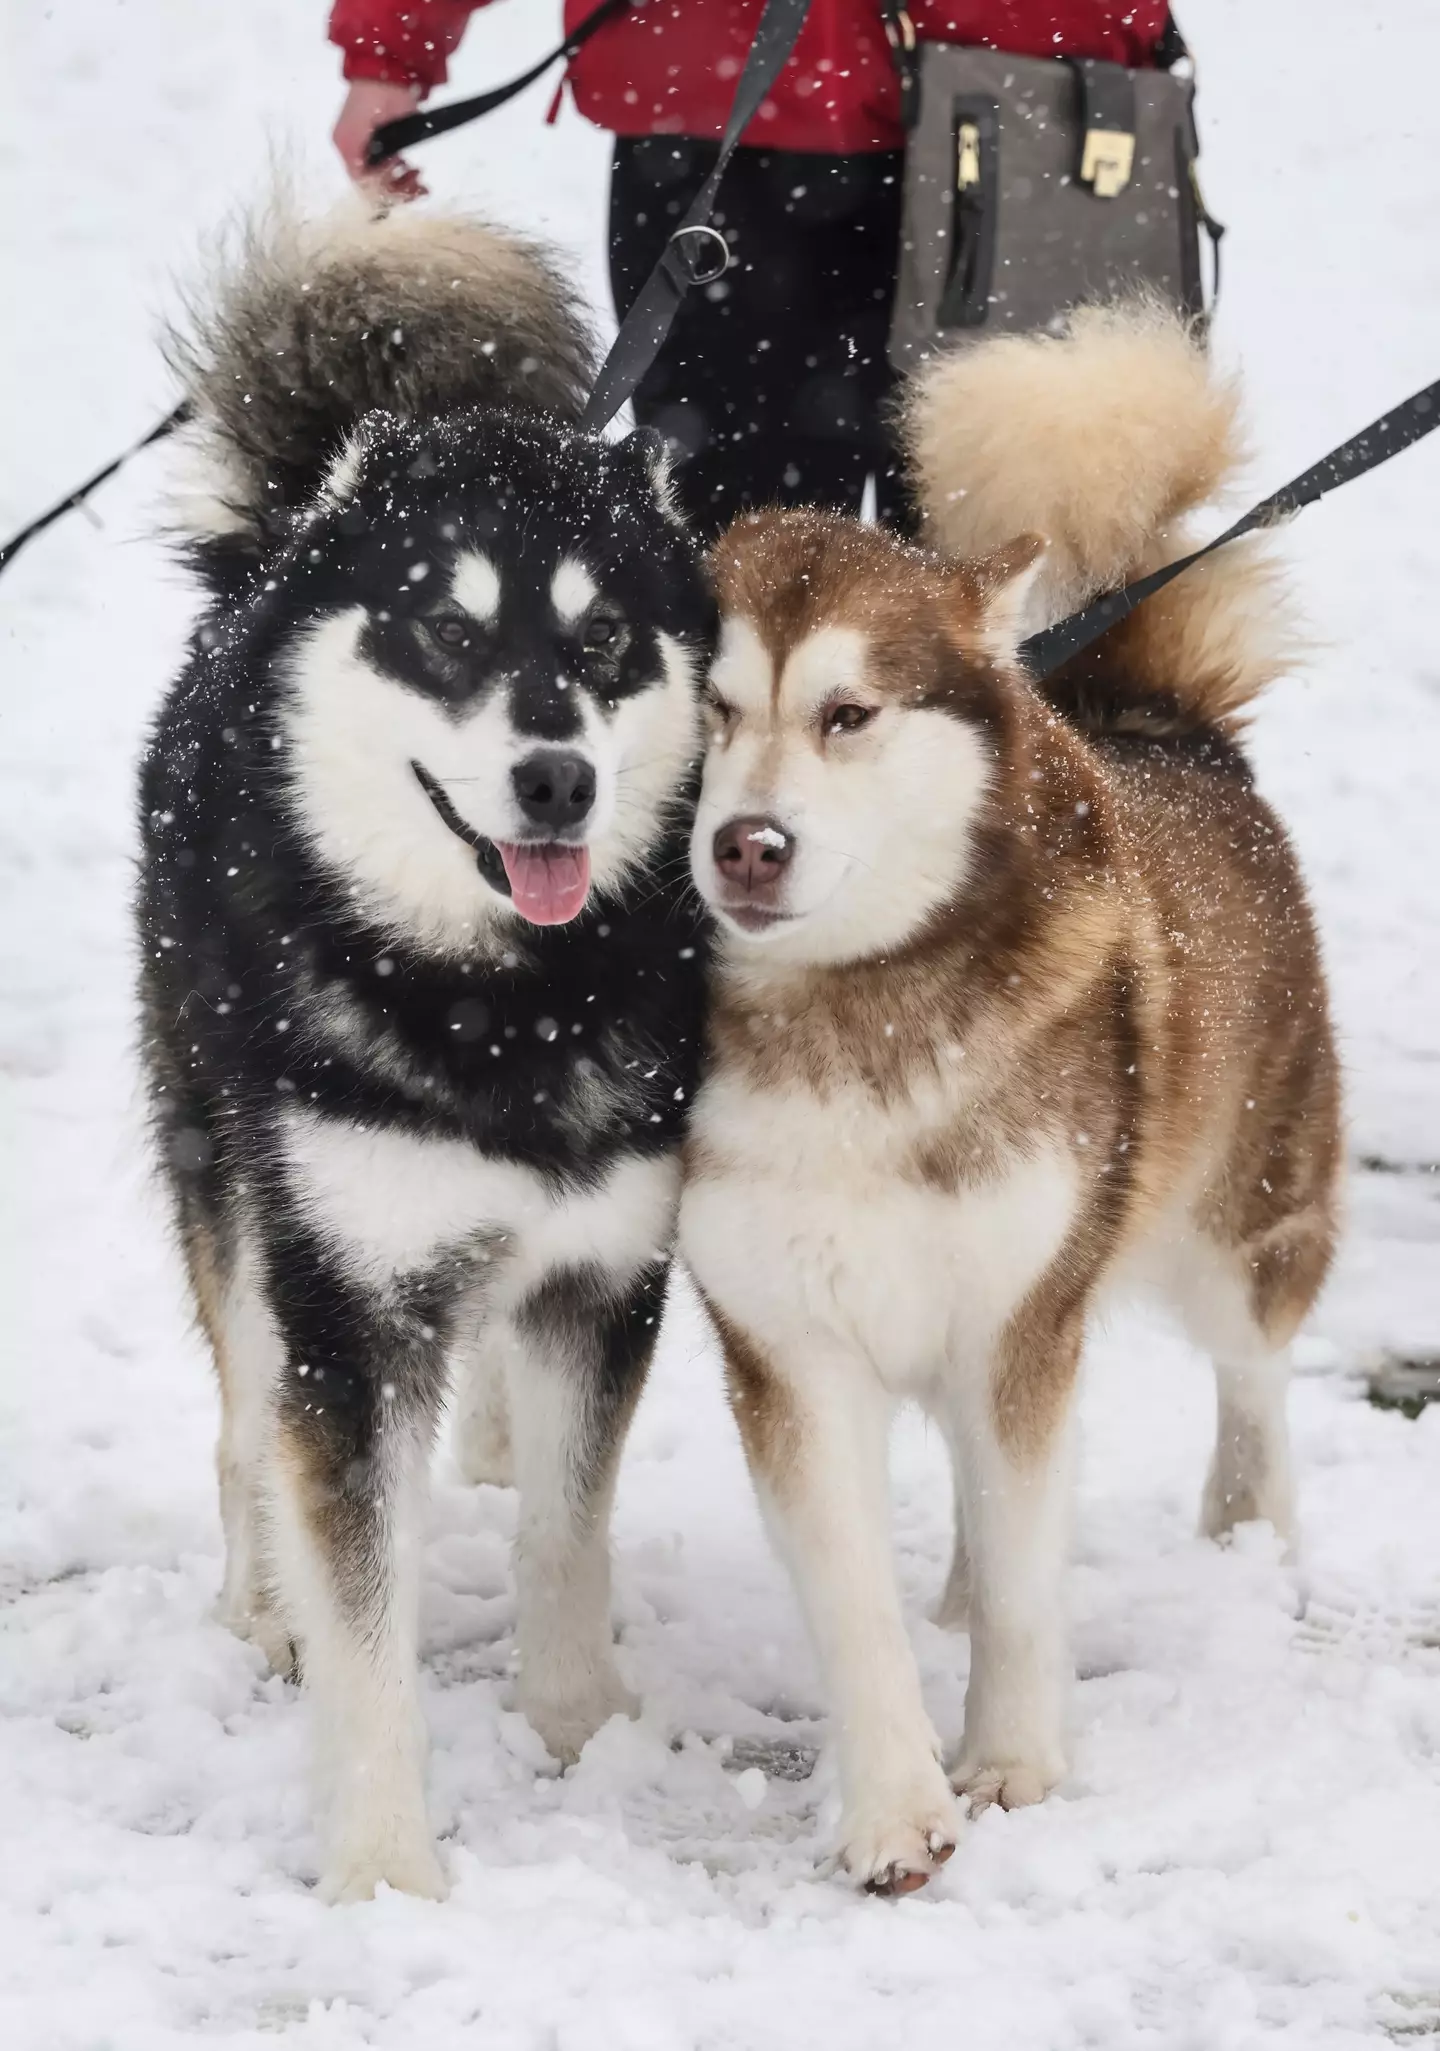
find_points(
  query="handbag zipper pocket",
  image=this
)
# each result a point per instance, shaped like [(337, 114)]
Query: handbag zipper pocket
[(975, 128)]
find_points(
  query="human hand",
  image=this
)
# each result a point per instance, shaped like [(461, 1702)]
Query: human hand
[(369, 104)]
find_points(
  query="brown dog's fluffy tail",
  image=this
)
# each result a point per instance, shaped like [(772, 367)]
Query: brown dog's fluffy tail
[(1105, 440)]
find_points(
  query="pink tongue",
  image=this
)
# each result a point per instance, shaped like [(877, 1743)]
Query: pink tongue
[(549, 884)]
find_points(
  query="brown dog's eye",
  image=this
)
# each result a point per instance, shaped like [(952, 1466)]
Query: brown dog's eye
[(848, 719), (715, 704), (451, 629)]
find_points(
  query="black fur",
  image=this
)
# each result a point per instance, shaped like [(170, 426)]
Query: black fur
[(243, 928), (574, 1050)]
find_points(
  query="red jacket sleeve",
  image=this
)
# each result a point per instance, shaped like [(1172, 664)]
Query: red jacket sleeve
[(405, 42)]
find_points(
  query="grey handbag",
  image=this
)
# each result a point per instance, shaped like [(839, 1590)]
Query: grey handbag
[(1033, 183)]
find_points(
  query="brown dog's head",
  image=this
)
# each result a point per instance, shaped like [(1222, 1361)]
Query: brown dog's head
[(854, 710)]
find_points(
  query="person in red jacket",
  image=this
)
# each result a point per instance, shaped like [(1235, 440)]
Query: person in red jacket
[(774, 379)]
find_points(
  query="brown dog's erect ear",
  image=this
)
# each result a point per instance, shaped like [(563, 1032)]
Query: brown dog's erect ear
[(994, 592)]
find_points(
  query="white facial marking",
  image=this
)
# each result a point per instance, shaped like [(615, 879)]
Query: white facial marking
[(572, 590), (350, 735), (881, 822), (475, 585), (825, 663), (388, 1202), (743, 673)]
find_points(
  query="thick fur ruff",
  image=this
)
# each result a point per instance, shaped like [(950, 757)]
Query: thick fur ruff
[(421, 971), (1018, 1001), (304, 326), (1105, 440)]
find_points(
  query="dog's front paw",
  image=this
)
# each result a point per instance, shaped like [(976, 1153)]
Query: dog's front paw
[(1013, 1783), (407, 1863), (893, 1842), (252, 1618), (567, 1719)]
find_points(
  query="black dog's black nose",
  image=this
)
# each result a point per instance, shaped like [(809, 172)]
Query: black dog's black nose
[(554, 790)]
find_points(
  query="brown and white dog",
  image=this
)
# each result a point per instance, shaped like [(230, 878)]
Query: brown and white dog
[(1019, 997)]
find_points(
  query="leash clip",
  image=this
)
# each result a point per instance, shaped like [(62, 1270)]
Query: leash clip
[(720, 262)]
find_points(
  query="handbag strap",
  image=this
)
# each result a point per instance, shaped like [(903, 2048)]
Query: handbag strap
[(905, 55)]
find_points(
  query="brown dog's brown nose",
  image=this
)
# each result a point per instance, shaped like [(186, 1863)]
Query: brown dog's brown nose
[(752, 854)]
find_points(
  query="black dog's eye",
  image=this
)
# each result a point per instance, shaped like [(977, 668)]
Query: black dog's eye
[(848, 719), (450, 628), (601, 630)]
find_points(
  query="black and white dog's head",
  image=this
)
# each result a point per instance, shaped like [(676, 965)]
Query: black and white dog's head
[(493, 634)]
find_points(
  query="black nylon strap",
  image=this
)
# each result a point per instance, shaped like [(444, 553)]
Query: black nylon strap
[(1050, 650), (393, 136), (905, 56), (1107, 95), (82, 492), (1172, 48), (644, 328)]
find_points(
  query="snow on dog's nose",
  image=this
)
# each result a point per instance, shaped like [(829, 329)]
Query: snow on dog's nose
[(751, 856)]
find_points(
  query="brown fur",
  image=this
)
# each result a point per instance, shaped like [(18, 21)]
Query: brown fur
[(1025, 990), (1133, 958), (760, 1402)]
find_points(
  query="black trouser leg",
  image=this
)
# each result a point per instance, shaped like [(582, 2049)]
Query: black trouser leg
[(774, 379)]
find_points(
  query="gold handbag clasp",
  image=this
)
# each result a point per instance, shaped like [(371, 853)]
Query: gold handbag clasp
[(1107, 161)]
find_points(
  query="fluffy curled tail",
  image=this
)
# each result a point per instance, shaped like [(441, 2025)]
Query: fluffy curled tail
[(305, 326), (1105, 439)]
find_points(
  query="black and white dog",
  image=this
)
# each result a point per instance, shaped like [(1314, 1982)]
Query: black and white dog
[(422, 982)]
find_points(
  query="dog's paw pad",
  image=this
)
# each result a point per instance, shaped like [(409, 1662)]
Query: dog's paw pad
[(900, 1846), (898, 1879)]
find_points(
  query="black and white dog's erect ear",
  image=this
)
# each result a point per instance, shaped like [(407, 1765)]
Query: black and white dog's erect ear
[(342, 479), (657, 458)]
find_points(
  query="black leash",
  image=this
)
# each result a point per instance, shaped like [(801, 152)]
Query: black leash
[(1051, 649), (394, 136), (82, 492), (643, 331), (644, 328)]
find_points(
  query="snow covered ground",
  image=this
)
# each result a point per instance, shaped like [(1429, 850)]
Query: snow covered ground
[(1248, 1849)]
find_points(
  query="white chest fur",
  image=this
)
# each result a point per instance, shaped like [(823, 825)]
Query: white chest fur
[(389, 1202), (813, 1237)]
